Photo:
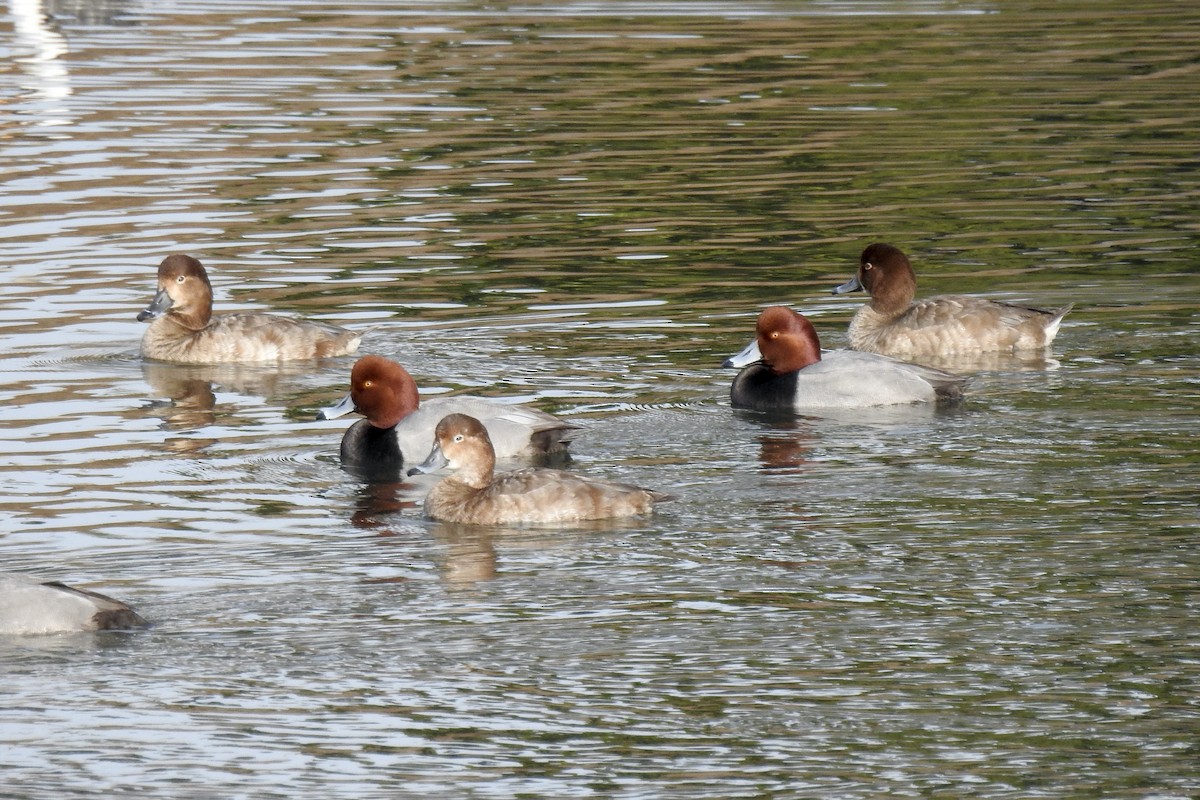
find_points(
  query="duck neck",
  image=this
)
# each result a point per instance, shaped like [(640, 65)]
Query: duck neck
[(478, 473), (189, 319), (896, 295)]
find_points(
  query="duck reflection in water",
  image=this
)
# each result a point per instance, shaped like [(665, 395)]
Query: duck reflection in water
[(475, 554), (377, 501), (470, 555), (785, 445), (190, 400), (190, 391)]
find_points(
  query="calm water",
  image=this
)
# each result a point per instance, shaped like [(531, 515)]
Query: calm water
[(584, 205)]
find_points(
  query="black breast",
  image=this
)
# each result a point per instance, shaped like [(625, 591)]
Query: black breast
[(372, 453), (758, 388)]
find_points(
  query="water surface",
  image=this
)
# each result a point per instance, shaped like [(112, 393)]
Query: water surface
[(584, 206)]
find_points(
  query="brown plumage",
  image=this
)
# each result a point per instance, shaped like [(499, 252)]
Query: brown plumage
[(895, 324), (185, 331), (474, 494)]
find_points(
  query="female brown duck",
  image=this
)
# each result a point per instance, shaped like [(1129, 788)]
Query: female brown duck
[(184, 330), (474, 494), (895, 324)]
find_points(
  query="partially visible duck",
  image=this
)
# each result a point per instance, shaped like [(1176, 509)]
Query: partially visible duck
[(896, 325), (784, 369), (474, 494), (399, 423), (185, 331), (30, 607)]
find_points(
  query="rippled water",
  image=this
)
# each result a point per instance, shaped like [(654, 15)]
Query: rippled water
[(584, 205)]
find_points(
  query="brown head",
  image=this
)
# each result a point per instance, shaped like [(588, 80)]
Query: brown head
[(184, 292), (467, 448), (382, 391), (886, 274), (786, 340)]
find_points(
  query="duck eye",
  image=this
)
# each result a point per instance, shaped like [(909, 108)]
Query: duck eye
[(774, 334), (458, 438), (868, 265), (180, 278), (368, 384)]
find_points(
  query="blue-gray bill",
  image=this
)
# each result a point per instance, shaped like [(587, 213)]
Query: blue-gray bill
[(433, 462), (852, 285), (339, 409), (160, 304), (748, 356)]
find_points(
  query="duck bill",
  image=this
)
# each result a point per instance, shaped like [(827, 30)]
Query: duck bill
[(748, 356), (339, 409), (852, 285), (158, 306), (434, 462)]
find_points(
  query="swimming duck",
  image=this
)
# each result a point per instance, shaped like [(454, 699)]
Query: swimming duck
[(896, 325), (784, 369), (185, 331), (474, 494), (30, 607), (398, 422)]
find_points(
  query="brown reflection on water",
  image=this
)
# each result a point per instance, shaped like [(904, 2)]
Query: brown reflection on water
[(786, 451), (190, 390), (377, 503), (470, 555)]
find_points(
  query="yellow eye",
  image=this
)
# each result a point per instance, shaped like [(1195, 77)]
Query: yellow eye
[(368, 384), (774, 334)]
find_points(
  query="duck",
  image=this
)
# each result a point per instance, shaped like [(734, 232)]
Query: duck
[(28, 606), (397, 421), (183, 329), (894, 324), (783, 369), (474, 494)]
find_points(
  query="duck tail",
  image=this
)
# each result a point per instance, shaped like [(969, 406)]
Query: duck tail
[(1056, 318), (950, 390)]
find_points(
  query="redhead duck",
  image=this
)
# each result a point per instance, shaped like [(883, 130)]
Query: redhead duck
[(28, 607), (475, 495), (397, 422), (184, 330), (785, 370), (893, 324)]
